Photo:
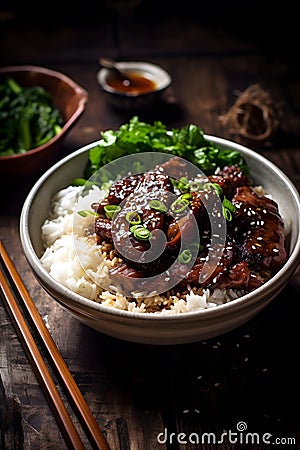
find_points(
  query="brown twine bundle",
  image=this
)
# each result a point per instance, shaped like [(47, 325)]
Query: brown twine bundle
[(253, 116)]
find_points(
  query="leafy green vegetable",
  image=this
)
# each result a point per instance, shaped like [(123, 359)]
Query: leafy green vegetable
[(28, 117), (136, 136)]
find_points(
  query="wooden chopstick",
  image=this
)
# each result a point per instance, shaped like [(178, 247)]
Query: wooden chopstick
[(64, 421), (86, 418)]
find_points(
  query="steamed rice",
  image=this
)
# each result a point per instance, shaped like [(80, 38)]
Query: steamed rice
[(64, 239)]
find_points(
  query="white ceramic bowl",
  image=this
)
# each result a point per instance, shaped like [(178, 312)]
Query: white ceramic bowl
[(132, 100), (155, 328)]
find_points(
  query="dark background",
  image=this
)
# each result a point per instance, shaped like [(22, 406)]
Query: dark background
[(250, 374)]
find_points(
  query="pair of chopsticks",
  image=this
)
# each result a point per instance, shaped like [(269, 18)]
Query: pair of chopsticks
[(13, 288)]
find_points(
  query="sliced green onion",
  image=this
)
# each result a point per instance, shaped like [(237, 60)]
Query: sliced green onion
[(183, 184), (196, 186), (228, 208), (87, 212), (179, 205), (111, 210), (135, 227), (158, 205), (227, 204), (142, 233), (227, 214), (133, 218), (185, 256), (186, 196), (174, 182), (218, 189)]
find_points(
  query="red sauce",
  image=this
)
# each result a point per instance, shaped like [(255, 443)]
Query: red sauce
[(139, 84)]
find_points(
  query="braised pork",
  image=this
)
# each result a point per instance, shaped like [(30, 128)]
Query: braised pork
[(255, 240)]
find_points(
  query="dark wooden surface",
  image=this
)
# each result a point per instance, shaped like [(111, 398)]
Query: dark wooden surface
[(136, 391)]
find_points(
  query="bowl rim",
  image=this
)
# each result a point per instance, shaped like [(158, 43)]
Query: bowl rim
[(159, 73), (235, 305), (80, 91)]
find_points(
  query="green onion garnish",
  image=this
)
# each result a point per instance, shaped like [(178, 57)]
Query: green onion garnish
[(142, 233), (158, 206), (87, 212), (186, 196), (227, 208), (185, 256), (133, 218), (135, 227), (111, 210), (183, 184), (179, 205), (218, 189)]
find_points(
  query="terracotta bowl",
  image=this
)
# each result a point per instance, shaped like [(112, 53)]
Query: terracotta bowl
[(155, 328), (69, 98)]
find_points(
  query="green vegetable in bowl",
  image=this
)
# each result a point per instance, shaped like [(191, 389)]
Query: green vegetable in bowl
[(188, 142), (28, 117)]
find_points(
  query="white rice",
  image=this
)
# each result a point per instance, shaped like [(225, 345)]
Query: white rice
[(64, 237)]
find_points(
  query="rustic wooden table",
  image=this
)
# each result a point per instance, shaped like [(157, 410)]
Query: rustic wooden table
[(151, 397)]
